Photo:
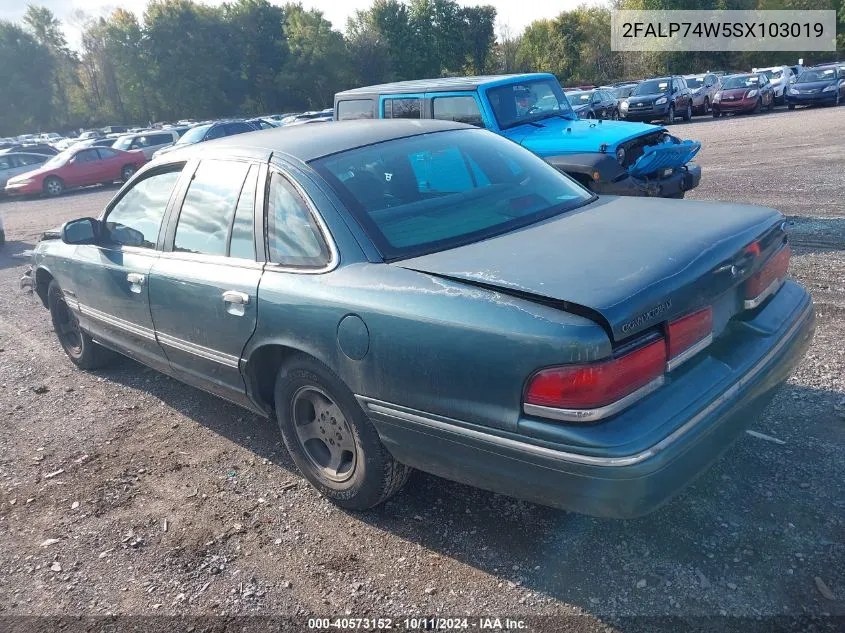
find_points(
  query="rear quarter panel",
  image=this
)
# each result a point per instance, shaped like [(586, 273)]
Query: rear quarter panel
[(431, 344)]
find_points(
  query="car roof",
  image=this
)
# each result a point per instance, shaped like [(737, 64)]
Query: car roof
[(441, 84), (308, 142)]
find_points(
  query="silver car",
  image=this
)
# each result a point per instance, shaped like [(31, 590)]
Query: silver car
[(703, 87), (780, 77), (14, 163), (148, 142)]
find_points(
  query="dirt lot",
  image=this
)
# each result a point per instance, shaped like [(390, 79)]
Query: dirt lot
[(125, 492)]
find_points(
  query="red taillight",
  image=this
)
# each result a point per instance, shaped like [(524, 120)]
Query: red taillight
[(598, 384), (685, 333), (775, 269)]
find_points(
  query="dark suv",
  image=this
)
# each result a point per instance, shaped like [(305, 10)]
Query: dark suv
[(208, 132), (662, 99)]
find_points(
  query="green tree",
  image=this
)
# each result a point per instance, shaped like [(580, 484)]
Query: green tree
[(26, 72)]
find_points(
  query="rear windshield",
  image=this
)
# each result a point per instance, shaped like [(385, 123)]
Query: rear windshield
[(436, 191)]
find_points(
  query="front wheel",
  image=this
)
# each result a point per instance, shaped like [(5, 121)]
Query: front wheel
[(758, 106), (716, 114), (706, 105), (82, 351), (790, 106), (330, 439), (772, 103), (670, 117), (615, 115), (53, 186), (688, 113)]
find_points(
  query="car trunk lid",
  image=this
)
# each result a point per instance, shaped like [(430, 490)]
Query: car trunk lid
[(627, 263)]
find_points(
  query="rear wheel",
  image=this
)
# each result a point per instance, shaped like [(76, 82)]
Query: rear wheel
[(127, 172), (330, 438), (82, 351), (53, 186)]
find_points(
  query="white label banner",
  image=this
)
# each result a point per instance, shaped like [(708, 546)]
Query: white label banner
[(723, 30)]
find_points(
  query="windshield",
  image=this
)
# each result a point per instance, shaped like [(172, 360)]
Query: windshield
[(579, 98), (123, 142), (695, 82), (518, 103), (436, 191), (194, 135), (809, 76), (773, 74), (739, 81), (653, 87), (59, 159)]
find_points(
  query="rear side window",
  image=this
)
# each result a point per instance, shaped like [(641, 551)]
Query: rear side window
[(241, 242), (105, 152), (159, 139), (293, 237), (355, 109), (238, 128), (136, 218), (410, 108), (209, 206), (462, 109)]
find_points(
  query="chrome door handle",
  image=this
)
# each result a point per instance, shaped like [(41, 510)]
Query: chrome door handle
[(234, 296), (135, 278)]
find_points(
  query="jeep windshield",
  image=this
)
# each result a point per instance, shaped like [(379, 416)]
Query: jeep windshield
[(528, 101), (433, 192)]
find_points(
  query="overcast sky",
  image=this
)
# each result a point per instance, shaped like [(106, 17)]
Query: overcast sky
[(515, 13)]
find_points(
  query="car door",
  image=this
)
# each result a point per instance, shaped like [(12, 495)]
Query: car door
[(80, 168), (110, 165), (110, 279), (204, 286)]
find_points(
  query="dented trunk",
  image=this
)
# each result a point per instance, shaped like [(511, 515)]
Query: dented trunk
[(628, 264)]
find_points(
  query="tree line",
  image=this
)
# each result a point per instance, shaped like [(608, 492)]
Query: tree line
[(185, 59)]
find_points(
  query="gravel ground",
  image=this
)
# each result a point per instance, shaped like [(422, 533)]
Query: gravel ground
[(124, 492)]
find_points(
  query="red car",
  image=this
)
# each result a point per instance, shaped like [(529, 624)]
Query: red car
[(77, 168), (743, 93)]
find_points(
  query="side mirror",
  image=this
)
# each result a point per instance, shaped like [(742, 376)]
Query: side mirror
[(82, 231)]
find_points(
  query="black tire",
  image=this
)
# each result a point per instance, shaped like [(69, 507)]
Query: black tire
[(757, 106), (790, 106), (772, 103), (716, 114), (82, 351), (706, 105), (670, 117), (371, 475), (688, 113), (591, 115), (53, 186), (127, 172), (615, 116), (2, 237)]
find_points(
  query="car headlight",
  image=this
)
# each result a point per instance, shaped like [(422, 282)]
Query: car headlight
[(20, 181), (623, 105), (717, 97), (830, 88), (793, 91), (750, 93), (660, 101), (620, 155)]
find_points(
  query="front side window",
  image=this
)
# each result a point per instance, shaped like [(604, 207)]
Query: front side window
[(461, 109), (518, 103), (136, 218), (427, 193), (355, 109), (293, 237), (203, 225), (410, 108)]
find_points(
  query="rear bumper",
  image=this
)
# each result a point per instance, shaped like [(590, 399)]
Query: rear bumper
[(609, 483), (682, 179)]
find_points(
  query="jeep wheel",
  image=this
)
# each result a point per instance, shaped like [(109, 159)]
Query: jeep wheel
[(330, 438)]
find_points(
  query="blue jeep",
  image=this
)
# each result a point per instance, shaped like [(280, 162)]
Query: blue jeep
[(612, 157)]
